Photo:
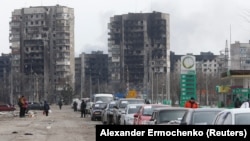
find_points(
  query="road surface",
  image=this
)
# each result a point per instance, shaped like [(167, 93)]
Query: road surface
[(60, 125)]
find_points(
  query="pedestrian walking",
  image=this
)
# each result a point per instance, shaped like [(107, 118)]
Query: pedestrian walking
[(75, 106), (46, 108), (60, 104), (83, 109)]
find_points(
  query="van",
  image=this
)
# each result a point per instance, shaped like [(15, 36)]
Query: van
[(105, 98)]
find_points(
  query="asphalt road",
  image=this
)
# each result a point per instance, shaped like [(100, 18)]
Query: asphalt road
[(60, 125)]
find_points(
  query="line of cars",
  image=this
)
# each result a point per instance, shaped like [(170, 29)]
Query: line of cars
[(124, 112)]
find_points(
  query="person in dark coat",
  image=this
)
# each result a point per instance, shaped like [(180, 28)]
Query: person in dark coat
[(83, 109), (237, 103), (60, 104), (46, 108), (75, 106)]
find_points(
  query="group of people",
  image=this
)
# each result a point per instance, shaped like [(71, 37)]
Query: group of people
[(82, 108), (23, 105)]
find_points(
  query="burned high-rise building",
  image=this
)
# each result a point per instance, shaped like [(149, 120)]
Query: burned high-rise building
[(139, 50), (42, 47)]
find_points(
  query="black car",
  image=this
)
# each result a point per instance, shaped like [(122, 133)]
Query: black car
[(35, 106), (200, 116), (96, 111)]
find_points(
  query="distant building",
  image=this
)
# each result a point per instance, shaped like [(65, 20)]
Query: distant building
[(206, 62), (139, 48), (42, 47), (240, 56), (5, 78), (91, 74)]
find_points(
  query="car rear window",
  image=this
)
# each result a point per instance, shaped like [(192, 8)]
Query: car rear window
[(203, 117), (148, 109), (124, 103), (242, 118), (133, 109), (170, 115)]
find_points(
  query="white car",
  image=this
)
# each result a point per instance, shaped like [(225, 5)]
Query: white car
[(237, 116), (127, 116), (107, 113)]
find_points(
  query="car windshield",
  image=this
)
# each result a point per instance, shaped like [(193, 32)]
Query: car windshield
[(99, 105), (242, 118), (104, 99), (170, 115), (148, 110), (203, 117), (133, 109)]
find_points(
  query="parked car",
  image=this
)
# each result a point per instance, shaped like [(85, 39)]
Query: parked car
[(237, 116), (6, 107), (200, 116), (35, 106), (127, 117), (107, 113), (96, 110), (143, 115), (121, 105), (167, 116)]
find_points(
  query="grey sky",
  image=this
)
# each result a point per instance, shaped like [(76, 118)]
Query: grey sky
[(195, 25)]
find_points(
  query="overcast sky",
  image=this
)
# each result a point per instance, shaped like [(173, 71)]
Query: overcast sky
[(195, 25)]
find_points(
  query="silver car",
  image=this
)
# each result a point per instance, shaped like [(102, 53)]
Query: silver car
[(107, 113), (127, 117)]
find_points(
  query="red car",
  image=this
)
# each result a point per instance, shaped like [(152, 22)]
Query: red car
[(6, 107), (144, 113)]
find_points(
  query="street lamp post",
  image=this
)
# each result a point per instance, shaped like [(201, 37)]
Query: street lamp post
[(207, 100), (98, 84), (152, 85), (167, 84), (157, 93), (90, 85)]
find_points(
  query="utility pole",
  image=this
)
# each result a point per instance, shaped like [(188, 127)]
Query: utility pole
[(127, 79), (11, 84), (207, 101), (157, 87), (90, 85), (98, 84), (152, 85)]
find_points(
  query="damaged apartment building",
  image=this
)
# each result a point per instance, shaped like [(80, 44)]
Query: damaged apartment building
[(91, 74), (139, 52), (42, 48)]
